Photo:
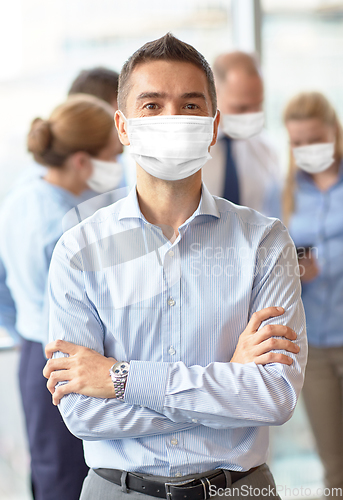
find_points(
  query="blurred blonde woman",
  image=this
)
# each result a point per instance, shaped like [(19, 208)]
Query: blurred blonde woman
[(313, 209), (79, 146)]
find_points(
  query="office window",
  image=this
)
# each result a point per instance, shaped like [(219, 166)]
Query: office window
[(302, 49)]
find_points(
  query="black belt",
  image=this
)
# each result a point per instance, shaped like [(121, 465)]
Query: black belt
[(176, 489)]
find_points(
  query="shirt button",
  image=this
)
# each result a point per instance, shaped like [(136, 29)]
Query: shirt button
[(171, 350), (174, 442), (171, 253), (171, 302), (194, 420), (178, 474)]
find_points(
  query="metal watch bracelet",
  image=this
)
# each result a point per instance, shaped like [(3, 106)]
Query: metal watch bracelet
[(119, 373)]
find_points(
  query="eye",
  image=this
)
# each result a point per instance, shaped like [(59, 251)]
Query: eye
[(151, 105), (191, 106)]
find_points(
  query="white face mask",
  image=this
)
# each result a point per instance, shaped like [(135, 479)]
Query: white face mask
[(106, 175), (315, 158), (170, 147), (244, 125)]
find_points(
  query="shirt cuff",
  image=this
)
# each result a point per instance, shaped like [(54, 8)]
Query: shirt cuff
[(146, 384)]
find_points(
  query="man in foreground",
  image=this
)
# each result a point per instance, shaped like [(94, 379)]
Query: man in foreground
[(164, 282)]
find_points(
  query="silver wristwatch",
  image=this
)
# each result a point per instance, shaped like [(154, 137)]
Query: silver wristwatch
[(119, 372)]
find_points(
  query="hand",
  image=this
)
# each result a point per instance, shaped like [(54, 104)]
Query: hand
[(308, 268), (86, 371), (257, 345)]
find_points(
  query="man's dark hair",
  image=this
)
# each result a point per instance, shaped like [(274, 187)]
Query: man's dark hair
[(100, 82), (167, 48)]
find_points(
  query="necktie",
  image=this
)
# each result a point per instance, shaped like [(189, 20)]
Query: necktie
[(231, 187)]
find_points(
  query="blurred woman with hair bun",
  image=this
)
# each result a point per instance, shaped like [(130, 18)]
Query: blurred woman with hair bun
[(313, 208), (79, 145)]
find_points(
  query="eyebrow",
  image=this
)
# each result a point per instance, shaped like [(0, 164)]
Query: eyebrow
[(151, 95), (156, 95), (194, 95)]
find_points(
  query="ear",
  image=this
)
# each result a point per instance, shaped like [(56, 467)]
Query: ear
[(81, 163), (121, 127), (215, 128)]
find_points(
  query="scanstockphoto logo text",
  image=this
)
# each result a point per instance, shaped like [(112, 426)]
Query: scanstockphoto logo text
[(229, 261), (270, 491)]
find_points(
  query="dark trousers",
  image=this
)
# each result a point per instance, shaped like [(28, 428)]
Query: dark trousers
[(57, 460)]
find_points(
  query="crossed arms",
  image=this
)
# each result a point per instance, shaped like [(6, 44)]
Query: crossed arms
[(87, 371), (266, 367)]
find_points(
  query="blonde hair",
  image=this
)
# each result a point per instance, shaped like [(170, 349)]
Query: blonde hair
[(304, 106), (81, 123)]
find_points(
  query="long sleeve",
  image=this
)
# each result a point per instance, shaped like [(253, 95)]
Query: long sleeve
[(74, 318), (7, 306), (229, 395)]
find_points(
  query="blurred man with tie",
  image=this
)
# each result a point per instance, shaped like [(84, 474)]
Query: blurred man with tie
[(244, 167)]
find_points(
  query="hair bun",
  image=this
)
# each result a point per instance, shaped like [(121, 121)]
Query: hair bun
[(40, 136)]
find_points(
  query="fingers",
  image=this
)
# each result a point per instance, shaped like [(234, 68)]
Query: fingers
[(56, 364), (61, 391), (269, 331), (276, 345), (56, 399), (62, 346), (259, 316), (273, 357), (56, 377)]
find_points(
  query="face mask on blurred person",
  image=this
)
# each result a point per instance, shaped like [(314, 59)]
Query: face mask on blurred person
[(314, 158), (242, 126), (106, 175), (170, 147)]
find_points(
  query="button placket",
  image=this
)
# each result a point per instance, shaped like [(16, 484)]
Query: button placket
[(171, 266), (171, 310), (177, 454)]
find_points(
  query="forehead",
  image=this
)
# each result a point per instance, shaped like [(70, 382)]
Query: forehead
[(174, 78), (239, 85), (307, 126)]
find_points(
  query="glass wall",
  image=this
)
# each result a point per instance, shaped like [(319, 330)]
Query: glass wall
[(48, 43), (302, 49)]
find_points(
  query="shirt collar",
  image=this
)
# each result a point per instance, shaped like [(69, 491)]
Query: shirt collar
[(207, 206), (130, 208)]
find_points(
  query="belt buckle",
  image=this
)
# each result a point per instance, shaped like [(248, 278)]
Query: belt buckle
[(175, 483)]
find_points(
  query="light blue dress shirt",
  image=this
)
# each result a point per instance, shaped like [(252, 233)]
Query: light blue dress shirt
[(176, 311), (31, 222), (318, 222)]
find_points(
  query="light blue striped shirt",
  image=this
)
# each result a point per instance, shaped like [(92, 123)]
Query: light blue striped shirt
[(318, 222), (175, 311)]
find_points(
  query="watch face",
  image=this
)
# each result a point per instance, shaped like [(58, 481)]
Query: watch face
[(120, 368)]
